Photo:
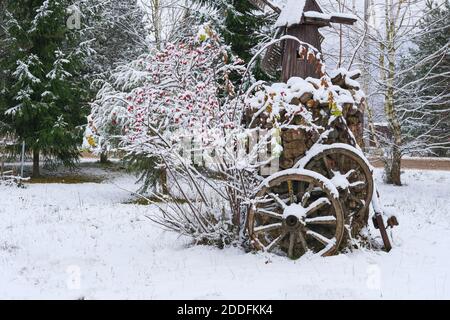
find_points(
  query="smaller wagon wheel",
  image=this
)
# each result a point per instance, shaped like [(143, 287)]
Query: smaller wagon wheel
[(351, 175), (296, 212)]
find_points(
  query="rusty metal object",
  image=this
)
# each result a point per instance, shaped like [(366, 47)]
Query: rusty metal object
[(379, 224), (392, 222)]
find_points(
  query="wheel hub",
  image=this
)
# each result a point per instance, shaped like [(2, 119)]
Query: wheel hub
[(291, 221)]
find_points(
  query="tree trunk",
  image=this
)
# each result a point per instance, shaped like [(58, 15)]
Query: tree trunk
[(372, 129), (36, 170), (163, 181), (396, 167), (157, 23), (389, 107), (365, 79), (104, 157)]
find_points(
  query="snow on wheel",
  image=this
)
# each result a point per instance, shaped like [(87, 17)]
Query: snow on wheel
[(350, 173), (295, 212)]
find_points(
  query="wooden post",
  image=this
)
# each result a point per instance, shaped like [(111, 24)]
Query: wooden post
[(22, 160)]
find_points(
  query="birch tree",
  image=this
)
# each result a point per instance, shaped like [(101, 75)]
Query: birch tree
[(115, 32), (43, 82), (389, 29), (164, 18)]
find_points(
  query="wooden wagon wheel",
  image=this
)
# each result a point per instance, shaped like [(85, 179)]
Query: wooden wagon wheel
[(350, 173), (295, 212)]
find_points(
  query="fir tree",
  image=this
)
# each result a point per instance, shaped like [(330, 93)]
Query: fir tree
[(116, 34), (115, 31), (242, 25), (42, 96)]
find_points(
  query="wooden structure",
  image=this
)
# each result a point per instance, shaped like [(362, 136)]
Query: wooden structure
[(321, 197), (301, 19)]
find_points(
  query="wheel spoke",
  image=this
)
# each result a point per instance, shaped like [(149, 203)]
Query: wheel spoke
[(358, 185), (319, 219), (350, 173), (307, 194), (271, 207), (268, 227), (327, 166), (301, 190), (291, 245), (325, 241), (292, 199), (317, 205), (357, 200), (327, 220), (327, 247), (275, 242), (269, 213), (303, 241), (264, 200), (341, 164), (278, 200)]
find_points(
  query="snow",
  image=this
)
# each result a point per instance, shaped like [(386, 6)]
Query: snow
[(291, 13), (22, 71), (279, 96), (298, 86), (327, 183), (336, 72), (352, 83), (319, 148), (295, 210), (317, 15), (344, 15), (354, 73), (51, 234), (318, 219), (41, 13), (340, 181), (347, 75)]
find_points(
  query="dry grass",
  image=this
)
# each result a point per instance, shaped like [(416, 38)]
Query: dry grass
[(69, 179), (144, 201)]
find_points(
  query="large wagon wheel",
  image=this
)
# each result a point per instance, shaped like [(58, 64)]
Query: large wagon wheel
[(350, 173), (295, 212)]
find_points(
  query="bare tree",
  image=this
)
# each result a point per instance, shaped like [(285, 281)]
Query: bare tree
[(387, 30), (163, 18)]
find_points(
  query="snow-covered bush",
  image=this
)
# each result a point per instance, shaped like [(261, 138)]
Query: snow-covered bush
[(10, 180), (176, 114), (176, 111), (8, 176)]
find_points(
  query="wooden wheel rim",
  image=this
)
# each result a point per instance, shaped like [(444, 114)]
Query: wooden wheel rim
[(362, 215), (286, 226)]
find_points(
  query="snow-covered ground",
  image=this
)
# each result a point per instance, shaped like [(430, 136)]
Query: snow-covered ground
[(81, 241)]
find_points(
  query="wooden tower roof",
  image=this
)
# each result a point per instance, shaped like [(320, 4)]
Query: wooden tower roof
[(297, 12)]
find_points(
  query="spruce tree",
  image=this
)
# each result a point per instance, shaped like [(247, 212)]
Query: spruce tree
[(43, 93), (242, 25), (116, 34)]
